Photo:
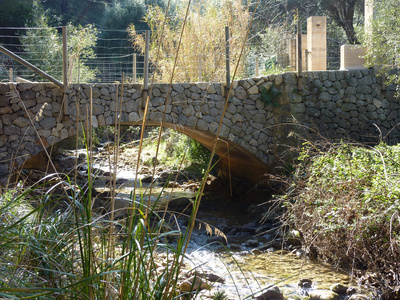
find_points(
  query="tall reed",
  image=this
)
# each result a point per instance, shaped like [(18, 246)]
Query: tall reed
[(57, 247)]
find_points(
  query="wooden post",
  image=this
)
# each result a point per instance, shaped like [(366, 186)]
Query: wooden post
[(134, 68), (146, 69), (200, 69), (228, 72), (256, 63), (299, 59), (10, 74), (65, 69)]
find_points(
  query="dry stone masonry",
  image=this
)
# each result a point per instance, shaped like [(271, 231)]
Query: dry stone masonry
[(260, 114)]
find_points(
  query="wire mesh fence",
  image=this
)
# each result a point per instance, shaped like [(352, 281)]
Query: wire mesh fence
[(113, 55)]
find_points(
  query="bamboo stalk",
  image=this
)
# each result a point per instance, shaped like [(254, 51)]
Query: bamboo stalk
[(227, 57), (299, 60)]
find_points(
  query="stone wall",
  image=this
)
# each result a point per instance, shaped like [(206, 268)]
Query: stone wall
[(259, 116), (349, 105)]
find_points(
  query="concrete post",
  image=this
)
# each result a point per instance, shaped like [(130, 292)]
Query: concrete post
[(352, 57), (316, 43)]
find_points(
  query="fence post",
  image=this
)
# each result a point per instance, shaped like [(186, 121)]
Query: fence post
[(299, 59), (228, 71), (200, 70), (256, 63), (65, 69), (146, 69), (134, 68), (11, 75)]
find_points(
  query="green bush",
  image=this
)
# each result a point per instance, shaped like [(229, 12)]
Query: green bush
[(346, 205)]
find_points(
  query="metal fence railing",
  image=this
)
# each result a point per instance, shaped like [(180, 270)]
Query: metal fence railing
[(114, 56)]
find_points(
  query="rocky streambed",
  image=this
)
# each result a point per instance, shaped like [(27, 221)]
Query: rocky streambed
[(248, 256)]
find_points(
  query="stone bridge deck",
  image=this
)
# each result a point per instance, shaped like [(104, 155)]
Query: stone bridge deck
[(256, 126)]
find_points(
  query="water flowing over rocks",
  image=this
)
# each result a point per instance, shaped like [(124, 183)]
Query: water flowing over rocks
[(258, 247)]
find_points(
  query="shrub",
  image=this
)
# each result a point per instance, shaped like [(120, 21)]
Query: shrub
[(346, 206)]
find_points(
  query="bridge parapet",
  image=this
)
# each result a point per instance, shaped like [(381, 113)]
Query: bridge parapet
[(259, 116)]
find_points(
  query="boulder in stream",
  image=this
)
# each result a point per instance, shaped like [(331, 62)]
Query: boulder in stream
[(339, 288), (305, 283), (358, 297), (323, 295), (272, 293), (193, 284)]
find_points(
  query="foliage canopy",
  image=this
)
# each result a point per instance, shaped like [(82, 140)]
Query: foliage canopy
[(383, 42), (44, 47)]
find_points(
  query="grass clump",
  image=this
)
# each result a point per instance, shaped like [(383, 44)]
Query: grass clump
[(58, 248), (345, 203)]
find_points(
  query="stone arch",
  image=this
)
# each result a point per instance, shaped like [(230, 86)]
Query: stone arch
[(257, 121), (232, 158)]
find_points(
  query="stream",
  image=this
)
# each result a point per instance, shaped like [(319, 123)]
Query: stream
[(252, 259)]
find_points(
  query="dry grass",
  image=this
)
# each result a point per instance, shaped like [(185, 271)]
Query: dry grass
[(202, 53)]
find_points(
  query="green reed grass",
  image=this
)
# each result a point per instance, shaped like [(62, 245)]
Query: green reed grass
[(53, 246)]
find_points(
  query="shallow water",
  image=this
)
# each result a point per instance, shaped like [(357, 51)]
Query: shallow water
[(245, 273)]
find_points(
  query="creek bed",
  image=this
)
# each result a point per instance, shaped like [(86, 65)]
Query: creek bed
[(244, 270)]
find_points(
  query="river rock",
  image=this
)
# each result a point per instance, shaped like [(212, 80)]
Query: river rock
[(293, 238), (256, 251), (251, 243), (272, 293), (351, 290), (281, 252), (249, 227), (211, 277), (323, 295), (147, 179), (339, 288), (192, 284), (359, 297), (300, 253), (179, 202), (172, 184), (262, 229), (305, 283), (217, 239)]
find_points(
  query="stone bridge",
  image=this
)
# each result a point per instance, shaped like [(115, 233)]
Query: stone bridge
[(261, 114)]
